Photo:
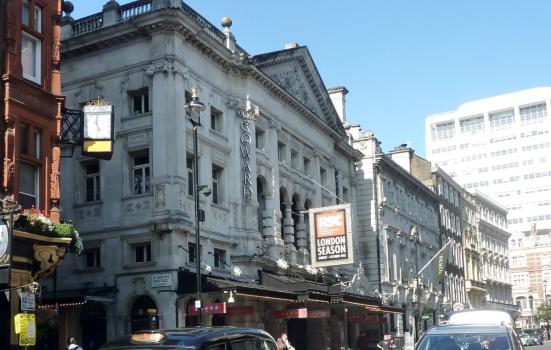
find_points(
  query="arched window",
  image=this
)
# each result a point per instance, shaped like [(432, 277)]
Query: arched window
[(143, 311)]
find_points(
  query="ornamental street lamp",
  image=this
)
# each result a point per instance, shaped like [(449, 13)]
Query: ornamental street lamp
[(195, 107), (416, 239)]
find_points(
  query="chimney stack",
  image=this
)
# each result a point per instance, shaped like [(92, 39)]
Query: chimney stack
[(338, 97)]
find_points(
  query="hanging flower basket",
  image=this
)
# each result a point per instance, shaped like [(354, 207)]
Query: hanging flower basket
[(37, 222)]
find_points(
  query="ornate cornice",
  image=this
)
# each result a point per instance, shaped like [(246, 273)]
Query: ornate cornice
[(176, 21)]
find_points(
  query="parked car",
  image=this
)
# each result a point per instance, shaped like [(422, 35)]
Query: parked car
[(471, 337), (528, 339), (204, 338)]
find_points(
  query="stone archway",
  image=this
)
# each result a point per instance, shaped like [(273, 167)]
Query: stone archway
[(143, 310)]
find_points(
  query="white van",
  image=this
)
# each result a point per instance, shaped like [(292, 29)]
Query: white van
[(490, 317)]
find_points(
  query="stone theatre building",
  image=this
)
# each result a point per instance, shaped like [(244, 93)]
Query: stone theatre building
[(136, 211)]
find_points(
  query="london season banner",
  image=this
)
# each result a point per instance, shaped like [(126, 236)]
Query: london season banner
[(331, 235)]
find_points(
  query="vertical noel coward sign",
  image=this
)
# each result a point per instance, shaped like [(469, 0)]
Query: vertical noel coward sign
[(331, 236), (245, 141)]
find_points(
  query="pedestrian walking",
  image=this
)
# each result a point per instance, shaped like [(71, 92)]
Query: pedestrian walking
[(72, 344)]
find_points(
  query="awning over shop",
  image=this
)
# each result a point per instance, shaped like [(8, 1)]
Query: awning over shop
[(285, 288), (75, 297)]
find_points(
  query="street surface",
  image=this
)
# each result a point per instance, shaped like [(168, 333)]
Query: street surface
[(545, 346)]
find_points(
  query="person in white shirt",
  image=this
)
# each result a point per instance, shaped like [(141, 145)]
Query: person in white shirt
[(72, 344)]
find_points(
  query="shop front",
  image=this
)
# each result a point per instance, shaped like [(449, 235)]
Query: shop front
[(304, 310)]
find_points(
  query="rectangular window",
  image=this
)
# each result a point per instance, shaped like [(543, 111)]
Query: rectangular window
[(532, 114), (216, 177), (189, 166), (92, 182), (259, 135), (472, 125), (294, 159), (323, 177), (141, 171), (30, 57), (502, 120), (307, 169), (25, 18), (219, 258), (215, 119), (281, 151), (142, 252), (92, 258), (140, 101), (24, 130), (187, 96), (192, 252), (29, 185), (443, 131), (37, 141), (37, 19)]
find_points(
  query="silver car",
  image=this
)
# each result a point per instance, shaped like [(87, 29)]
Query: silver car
[(470, 337)]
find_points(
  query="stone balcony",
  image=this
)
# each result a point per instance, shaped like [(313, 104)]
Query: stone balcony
[(475, 286)]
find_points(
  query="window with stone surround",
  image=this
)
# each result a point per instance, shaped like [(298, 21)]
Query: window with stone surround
[(216, 184), (142, 252), (215, 119), (140, 101), (141, 172), (92, 258), (92, 181)]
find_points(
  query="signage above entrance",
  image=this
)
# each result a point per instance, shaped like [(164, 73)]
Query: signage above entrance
[(208, 309), (291, 313)]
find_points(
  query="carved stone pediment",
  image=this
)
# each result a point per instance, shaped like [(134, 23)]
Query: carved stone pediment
[(292, 80), (295, 72)]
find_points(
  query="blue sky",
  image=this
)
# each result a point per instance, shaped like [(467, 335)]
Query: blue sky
[(401, 60)]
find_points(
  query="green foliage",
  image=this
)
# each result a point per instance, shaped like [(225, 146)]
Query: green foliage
[(544, 313), (34, 221)]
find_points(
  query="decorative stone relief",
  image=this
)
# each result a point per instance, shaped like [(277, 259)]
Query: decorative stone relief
[(167, 65), (48, 256), (54, 179), (160, 196), (291, 81), (233, 102), (274, 124)]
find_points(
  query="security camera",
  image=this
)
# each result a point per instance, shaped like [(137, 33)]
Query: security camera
[(207, 192)]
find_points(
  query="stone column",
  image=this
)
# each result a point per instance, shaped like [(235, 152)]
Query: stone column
[(317, 200), (288, 223), (301, 230), (271, 216)]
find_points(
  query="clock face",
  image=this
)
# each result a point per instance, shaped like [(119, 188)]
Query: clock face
[(3, 239), (97, 122), (97, 126)]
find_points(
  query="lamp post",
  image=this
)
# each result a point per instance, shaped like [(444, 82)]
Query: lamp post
[(545, 293), (415, 237), (195, 108)]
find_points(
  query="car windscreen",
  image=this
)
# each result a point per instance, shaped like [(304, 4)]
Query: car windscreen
[(465, 341)]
